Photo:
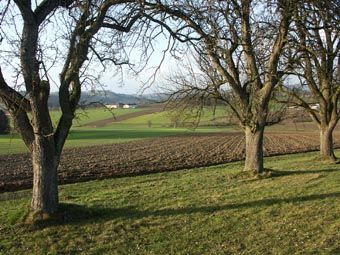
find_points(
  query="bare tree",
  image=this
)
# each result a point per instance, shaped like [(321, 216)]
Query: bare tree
[(315, 60), (4, 122), (243, 41), (30, 112), (201, 86)]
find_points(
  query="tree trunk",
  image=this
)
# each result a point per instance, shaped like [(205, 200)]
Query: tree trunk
[(254, 150), (45, 186), (326, 143)]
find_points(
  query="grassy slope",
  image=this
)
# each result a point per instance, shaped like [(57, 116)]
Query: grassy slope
[(162, 119), (12, 143), (132, 129), (210, 210), (86, 116)]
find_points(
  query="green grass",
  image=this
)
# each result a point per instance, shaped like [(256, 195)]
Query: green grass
[(87, 137), (11, 143), (211, 210), (157, 119), (124, 133), (131, 129), (79, 136), (163, 119), (93, 114), (134, 129)]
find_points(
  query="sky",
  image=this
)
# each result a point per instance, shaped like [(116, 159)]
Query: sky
[(120, 82), (128, 83)]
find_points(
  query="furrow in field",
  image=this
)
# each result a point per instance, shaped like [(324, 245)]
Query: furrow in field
[(151, 155)]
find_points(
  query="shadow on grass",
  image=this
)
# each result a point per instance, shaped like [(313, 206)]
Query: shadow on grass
[(270, 173), (278, 173), (77, 214)]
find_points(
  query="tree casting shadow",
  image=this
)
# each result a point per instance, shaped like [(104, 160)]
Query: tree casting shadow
[(76, 214), (279, 173)]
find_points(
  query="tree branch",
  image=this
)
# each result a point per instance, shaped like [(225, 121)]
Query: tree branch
[(47, 6), (12, 96), (18, 107)]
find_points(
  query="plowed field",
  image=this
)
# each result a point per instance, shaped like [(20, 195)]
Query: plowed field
[(151, 155)]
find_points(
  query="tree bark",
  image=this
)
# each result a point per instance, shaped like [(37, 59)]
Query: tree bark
[(326, 143), (254, 150), (45, 186)]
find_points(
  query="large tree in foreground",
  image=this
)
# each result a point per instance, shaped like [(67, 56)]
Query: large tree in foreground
[(243, 41), (315, 44), (30, 113), (4, 123)]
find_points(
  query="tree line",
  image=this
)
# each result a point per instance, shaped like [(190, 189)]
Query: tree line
[(245, 50)]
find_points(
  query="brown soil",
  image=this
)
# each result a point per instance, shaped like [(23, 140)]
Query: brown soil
[(151, 155)]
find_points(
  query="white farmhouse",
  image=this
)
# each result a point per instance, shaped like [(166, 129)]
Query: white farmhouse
[(112, 106)]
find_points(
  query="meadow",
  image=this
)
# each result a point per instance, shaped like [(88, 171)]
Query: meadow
[(209, 210), (143, 125), (186, 181), (118, 131)]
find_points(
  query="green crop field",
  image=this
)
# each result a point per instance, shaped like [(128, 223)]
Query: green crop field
[(86, 116), (211, 210), (122, 131), (165, 119), (87, 137)]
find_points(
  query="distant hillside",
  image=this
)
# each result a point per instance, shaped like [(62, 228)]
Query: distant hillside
[(105, 97), (108, 97)]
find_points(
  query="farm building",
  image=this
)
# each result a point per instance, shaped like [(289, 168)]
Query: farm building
[(127, 106), (133, 105), (112, 106), (121, 105)]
